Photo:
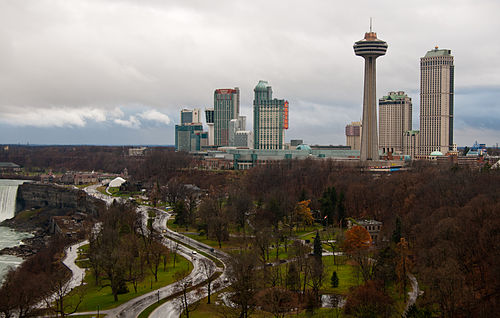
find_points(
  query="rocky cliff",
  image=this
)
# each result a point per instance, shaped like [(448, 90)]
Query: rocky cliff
[(36, 196)]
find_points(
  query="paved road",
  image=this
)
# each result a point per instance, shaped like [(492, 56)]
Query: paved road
[(173, 308), (92, 191)]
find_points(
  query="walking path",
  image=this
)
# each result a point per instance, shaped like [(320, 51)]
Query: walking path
[(413, 294), (78, 273)]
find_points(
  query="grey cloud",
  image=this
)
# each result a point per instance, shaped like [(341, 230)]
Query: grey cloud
[(168, 54)]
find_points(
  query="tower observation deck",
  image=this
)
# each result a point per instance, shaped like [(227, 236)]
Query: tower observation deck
[(370, 48)]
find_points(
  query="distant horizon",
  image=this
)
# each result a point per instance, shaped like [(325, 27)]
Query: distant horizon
[(173, 146)]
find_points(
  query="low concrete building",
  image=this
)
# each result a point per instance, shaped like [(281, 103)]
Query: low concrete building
[(372, 226)]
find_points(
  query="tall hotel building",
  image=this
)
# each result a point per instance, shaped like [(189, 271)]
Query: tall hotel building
[(189, 134), (190, 116), (226, 107), (209, 116), (270, 118), (395, 112), (436, 102), (353, 135)]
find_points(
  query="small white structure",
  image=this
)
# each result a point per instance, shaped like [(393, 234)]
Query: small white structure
[(116, 182)]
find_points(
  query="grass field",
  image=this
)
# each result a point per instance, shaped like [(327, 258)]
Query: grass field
[(347, 274), (204, 310), (101, 296)]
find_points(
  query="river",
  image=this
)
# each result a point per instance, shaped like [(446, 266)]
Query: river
[(9, 237)]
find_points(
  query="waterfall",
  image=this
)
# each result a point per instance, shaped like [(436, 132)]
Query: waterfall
[(8, 192)]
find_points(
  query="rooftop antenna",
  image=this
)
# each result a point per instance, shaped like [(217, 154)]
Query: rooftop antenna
[(370, 24)]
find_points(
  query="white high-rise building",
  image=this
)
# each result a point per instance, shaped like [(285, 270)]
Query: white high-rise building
[(395, 112), (410, 142), (236, 125), (436, 102), (270, 118), (243, 138), (209, 116), (190, 116)]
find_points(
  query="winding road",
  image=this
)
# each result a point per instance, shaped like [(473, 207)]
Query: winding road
[(203, 267), (173, 308)]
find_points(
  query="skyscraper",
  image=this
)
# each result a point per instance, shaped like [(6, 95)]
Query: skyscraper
[(353, 135), (187, 137), (270, 118), (236, 125), (226, 107), (395, 112), (436, 101), (209, 116), (370, 48), (190, 116)]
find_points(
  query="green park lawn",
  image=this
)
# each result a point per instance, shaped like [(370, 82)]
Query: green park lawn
[(346, 273), (231, 244), (204, 310), (95, 296)]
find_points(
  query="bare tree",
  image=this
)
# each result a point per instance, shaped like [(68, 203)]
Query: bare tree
[(58, 289), (277, 301), (243, 273), (207, 268)]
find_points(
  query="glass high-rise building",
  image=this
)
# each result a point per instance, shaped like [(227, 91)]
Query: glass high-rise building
[(270, 118), (436, 102), (226, 107)]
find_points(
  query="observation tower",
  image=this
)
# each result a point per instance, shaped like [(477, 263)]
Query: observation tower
[(370, 48)]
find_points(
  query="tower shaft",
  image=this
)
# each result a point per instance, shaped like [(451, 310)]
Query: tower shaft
[(369, 136)]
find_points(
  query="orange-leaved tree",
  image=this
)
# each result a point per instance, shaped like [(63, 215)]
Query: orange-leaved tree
[(357, 238), (356, 244), (303, 213)]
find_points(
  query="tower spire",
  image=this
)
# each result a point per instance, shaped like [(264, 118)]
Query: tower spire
[(370, 24)]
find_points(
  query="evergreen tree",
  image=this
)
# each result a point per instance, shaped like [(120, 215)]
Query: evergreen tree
[(318, 248), (303, 195), (181, 213), (328, 204), (396, 235), (341, 215), (293, 277), (335, 280)]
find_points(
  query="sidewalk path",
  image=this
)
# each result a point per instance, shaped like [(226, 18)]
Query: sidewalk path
[(78, 273)]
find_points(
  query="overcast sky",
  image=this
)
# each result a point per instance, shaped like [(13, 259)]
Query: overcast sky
[(118, 72)]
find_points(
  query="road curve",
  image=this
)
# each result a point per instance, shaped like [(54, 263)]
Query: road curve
[(134, 307), (173, 308)]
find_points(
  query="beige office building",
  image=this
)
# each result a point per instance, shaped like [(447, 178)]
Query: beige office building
[(410, 143), (436, 102), (353, 135), (394, 119)]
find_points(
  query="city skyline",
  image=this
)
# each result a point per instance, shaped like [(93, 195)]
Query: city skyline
[(95, 73)]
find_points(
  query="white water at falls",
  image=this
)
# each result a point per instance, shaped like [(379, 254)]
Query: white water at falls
[(9, 237), (8, 192)]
